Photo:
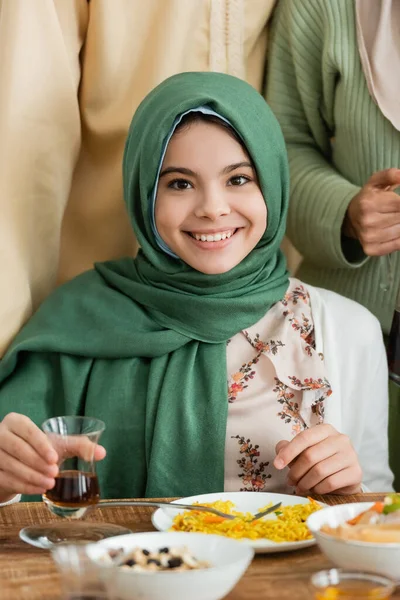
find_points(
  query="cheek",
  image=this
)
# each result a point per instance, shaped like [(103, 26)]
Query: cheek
[(259, 214), (166, 214)]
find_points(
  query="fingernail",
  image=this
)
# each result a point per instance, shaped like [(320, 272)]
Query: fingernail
[(279, 463)]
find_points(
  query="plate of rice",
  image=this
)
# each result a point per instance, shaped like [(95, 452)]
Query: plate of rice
[(281, 531)]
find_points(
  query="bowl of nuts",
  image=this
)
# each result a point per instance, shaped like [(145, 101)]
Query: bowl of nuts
[(170, 565)]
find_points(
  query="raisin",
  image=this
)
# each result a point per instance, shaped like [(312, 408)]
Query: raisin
[(130, 562), (153, 561), (164, 550), (146, 552), (175, 562)]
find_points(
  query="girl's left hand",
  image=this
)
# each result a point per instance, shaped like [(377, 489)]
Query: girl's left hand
[(321, 460)]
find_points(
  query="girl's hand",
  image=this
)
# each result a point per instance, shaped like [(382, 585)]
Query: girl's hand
[(321, 461), (28, 461)]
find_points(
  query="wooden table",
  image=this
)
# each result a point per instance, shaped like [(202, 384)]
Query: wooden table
[(28, 573)]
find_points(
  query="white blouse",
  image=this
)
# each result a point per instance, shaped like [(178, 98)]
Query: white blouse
[(277, 387)]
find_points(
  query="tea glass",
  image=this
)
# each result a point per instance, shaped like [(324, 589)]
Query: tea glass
[(81, 577), (76, 488), (347, 585)]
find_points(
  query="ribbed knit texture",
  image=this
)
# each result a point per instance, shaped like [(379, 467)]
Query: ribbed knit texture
[(336, 137)]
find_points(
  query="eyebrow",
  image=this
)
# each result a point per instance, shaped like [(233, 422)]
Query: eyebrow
[(224, 171)]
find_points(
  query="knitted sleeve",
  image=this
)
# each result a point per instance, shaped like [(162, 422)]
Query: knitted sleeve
[(301, 91)]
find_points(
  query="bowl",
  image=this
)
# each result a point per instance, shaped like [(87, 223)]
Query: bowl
[(383, 559), (228, 558), (348, 585)]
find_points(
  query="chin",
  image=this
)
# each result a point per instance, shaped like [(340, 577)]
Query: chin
[(209, 269)]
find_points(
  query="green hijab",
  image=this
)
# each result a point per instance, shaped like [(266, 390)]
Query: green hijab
[(141, 343)]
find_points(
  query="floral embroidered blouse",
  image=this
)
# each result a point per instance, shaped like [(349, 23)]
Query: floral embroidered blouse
[(276, 388)]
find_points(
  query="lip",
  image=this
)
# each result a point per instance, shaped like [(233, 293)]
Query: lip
[(212, 245), (212, 231)]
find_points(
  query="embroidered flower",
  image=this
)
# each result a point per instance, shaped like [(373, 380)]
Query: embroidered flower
[(252, 474)]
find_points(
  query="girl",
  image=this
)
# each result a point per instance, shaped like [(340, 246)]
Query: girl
[(147, 345)]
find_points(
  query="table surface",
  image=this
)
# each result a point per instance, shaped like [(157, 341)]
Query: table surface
[(28, 573)]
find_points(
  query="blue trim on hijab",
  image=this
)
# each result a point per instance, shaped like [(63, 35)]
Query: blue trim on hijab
[(206, 111)]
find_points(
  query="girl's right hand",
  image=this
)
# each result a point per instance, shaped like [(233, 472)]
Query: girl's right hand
[(28, 461)]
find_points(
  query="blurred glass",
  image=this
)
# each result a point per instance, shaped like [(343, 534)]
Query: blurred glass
[(346, 585), (81, 577)]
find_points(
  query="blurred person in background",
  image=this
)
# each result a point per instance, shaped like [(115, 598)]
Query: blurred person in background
[(72, 74), (334, 84)]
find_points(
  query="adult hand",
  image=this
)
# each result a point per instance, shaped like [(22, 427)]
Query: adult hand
[(28, 461), (321, 461), (373, 215)]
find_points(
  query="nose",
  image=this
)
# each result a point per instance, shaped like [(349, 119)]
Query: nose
[(212, 205)]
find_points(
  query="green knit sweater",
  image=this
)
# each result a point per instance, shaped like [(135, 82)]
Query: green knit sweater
[(336, 137)]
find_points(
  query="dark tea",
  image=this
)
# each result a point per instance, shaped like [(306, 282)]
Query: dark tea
[(393, 349), (74, 489)]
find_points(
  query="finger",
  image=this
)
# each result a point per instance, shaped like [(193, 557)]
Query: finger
[(379, 235), (381, 249), (345, 481), (25, 429), (281, 445), (379, 220), (313, 456), (11, 484), (387, 203), (303, 440), (324, 469), (385, 178), (25, 474), (80, 446), (99, 453), (22, 451)]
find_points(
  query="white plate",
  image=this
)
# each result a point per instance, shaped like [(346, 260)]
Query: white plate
[(244, 502)]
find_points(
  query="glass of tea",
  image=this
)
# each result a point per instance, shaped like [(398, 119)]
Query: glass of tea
[(346, 585), (77, 487), (82, 578)]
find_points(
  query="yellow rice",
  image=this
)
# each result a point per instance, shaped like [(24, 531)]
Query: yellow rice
[(287, 526)]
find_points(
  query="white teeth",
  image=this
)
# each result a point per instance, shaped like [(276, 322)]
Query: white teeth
[(217, 237)]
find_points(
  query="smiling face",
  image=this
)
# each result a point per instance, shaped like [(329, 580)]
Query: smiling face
[(209, 207)]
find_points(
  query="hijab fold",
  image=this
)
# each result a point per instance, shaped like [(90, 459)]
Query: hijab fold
[(141, 343)]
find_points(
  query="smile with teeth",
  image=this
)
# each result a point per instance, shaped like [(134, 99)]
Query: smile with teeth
[(213, 237)]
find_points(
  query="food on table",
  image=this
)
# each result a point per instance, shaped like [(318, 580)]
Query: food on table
[(288, 523), (347, 590), (164, 559), (379, 524)]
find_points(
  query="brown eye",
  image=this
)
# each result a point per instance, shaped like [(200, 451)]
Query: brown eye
[(180, 184), (238, 180)]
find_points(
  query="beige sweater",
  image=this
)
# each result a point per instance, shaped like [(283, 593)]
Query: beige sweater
[(72, 73)]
